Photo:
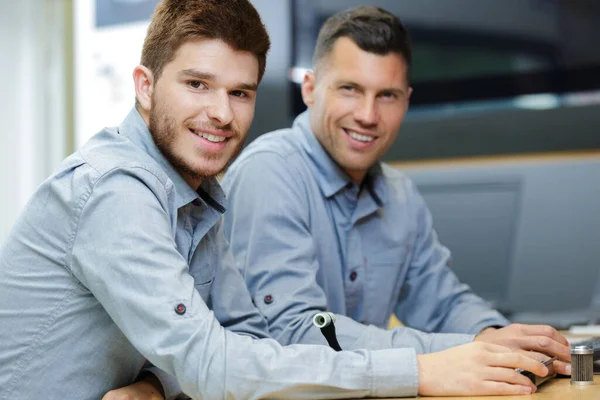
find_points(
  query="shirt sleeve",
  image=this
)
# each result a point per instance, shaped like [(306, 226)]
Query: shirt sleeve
[(229, 298), (169, 383), (269, 231), (445, 304), (125, 255)]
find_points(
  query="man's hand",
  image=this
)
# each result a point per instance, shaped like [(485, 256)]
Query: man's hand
[(142, 390), (536, 341), (476, 369)]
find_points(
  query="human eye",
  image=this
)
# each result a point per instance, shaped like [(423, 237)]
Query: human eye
[(347, 88), (197, 84), (240, 94), (389, 95)]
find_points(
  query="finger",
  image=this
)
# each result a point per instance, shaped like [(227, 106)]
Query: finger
[(495, 348), (544, 330), (491, 388), (535, 355), (517, 360), (561, 367), (543, 344), (561, 339), (507, 375)]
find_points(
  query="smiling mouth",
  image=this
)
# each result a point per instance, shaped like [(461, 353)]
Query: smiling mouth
[(209, 137), (359, 137)]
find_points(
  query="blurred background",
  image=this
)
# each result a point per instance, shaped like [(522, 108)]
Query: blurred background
[(502, 136)]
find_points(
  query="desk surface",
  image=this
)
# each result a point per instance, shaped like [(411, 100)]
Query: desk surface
[(556, 389)]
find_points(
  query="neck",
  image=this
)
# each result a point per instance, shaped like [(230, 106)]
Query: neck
[(144, 114), (357, 177), (194, 183)]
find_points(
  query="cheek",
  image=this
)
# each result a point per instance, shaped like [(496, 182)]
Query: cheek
[(341, 107), (244, 114), (325, 105), (393, 121), (391, 133)]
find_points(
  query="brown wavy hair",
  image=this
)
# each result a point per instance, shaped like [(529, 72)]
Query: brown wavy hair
[(175, 22)]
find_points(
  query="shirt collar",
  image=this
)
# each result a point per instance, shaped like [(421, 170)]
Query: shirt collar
[(330, 177), (135, 129)]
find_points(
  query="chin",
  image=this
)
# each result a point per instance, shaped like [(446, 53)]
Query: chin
[(210, 170), (359, 165)]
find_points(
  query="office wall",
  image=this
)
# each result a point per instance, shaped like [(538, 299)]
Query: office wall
[(273, 106), (500, 131), (10, 142), (536, 18), (104, 91), (33, 101)]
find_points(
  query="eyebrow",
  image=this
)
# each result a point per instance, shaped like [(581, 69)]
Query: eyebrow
[(207, 76), (394, 90), (354, 84)]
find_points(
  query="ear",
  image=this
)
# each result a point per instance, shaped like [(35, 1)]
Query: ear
[(308, 88), (410, 90), (143, 81)]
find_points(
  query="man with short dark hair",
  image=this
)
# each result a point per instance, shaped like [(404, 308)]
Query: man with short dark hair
[(317, 222)]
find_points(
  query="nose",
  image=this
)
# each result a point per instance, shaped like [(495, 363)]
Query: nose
[(366, 112), (220, 110)]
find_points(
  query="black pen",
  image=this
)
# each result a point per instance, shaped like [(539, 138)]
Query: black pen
[(538, 380)]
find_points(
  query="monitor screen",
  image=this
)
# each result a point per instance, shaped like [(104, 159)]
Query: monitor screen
[(477, 222)]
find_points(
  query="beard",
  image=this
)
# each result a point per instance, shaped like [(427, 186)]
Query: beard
[(163, 129)]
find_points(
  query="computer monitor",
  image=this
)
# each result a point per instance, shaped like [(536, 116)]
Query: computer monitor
[(477, 221), (524, 233)]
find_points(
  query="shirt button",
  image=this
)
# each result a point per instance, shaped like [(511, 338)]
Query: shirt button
[(180, 308), (353, 276), (197, 202), (268, 299)]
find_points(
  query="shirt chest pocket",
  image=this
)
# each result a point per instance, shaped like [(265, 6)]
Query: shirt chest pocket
[(386, 271), (203, 267)]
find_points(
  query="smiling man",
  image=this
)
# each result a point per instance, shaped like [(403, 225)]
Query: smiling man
[(318, 223)]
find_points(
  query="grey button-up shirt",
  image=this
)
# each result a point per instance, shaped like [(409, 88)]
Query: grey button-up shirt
[(116, 260), (304, 234)]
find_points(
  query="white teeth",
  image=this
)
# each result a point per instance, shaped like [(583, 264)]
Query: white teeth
[(211, 138), (362, 138)]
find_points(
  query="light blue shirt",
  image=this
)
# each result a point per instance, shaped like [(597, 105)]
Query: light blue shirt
[(116, 260), (307, 239)]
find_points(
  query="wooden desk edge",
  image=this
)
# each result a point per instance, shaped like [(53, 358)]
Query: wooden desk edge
[(528, 158), (556, 389)]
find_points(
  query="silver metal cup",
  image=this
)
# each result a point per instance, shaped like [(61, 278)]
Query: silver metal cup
[(582, 365)]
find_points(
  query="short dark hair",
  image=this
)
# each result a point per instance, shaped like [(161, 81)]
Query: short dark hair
[(372, 29), (174, 22)]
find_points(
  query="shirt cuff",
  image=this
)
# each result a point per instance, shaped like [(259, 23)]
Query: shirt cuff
[(490, 323), (169, 383), (395, 373)]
